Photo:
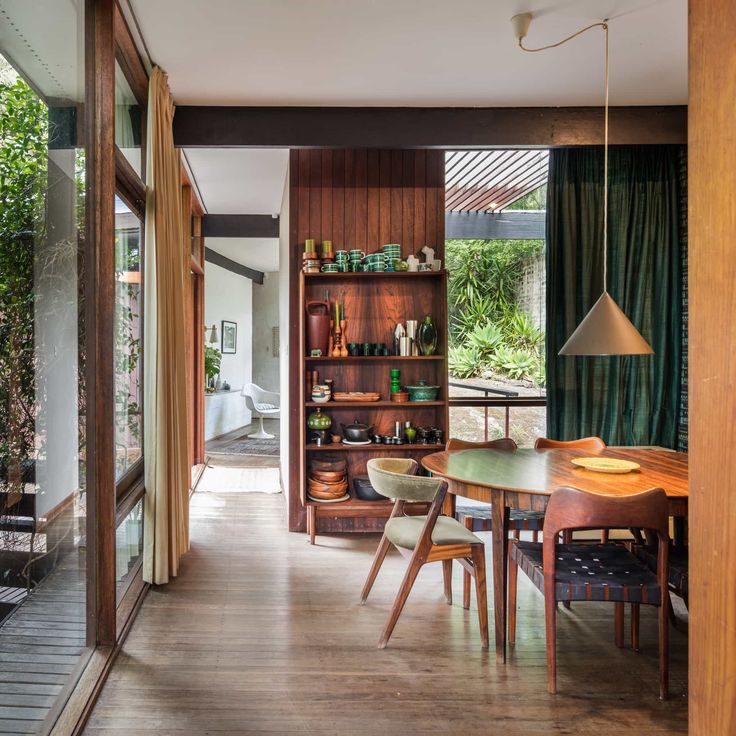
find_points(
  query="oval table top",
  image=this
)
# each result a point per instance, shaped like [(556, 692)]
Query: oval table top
[(540, 472)]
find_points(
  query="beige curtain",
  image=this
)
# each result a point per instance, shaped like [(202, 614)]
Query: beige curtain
[(166, 523)]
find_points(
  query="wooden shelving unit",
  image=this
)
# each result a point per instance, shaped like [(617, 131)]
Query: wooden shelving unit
[(361, 199), (374, 303)]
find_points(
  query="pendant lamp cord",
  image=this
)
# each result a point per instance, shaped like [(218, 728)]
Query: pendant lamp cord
[(604, 25)]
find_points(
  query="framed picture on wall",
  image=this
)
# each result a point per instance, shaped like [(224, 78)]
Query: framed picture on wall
[(229, 336)]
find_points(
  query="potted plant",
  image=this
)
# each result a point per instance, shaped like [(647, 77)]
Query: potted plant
[(212, 360)]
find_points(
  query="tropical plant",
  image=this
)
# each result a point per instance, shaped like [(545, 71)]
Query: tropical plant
[(520, 331), (212, 361), (464, 362), (486, 339), (519, 364)]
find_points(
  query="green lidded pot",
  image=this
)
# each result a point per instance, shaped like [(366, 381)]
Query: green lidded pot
[(422, 392), (318, 420)]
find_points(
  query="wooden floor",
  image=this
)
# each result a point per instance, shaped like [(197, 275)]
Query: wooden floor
[(40, 645), (262, 634)]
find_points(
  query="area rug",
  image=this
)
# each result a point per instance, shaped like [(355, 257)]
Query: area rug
[(246, 446)]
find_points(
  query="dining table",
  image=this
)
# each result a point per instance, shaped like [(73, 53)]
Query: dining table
[(525, 479)]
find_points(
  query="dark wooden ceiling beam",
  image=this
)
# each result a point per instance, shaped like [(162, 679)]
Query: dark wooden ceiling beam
[(217, 259), (421, 127), (240, 226), (514, 225)]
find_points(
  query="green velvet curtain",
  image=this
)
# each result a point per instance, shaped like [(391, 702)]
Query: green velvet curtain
[(629, 400)]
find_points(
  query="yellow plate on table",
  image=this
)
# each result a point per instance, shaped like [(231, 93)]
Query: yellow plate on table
[(605, 464)]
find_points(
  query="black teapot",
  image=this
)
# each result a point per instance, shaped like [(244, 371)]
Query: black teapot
[(357, 432)]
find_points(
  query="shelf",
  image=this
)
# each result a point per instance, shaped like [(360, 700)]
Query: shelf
[(369, 404), (374, 358), (373, 275), (372, 448)]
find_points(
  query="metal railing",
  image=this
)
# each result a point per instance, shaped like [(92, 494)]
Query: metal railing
[(493, 397)]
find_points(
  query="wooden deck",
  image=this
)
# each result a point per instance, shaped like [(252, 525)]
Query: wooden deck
[(262, 634), (40, 644)]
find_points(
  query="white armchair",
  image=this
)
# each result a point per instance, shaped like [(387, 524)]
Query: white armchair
[(261, 403)]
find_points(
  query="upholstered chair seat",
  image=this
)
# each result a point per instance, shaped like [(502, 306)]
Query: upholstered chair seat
[(405, 531)]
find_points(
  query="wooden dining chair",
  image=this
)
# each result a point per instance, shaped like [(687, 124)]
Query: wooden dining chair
[(584, 443), (422, 539), (596, 572), (476, 516)]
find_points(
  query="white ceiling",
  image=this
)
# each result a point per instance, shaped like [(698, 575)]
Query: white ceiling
[(414, 52), (239, 181), (262, 254)]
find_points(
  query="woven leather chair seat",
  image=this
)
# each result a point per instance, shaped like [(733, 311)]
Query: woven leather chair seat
[(591, 572), (678, 566), (525, 521)]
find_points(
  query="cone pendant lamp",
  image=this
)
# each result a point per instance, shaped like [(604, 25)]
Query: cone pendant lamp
[(605, 330)]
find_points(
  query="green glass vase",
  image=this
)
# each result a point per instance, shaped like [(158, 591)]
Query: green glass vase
[(427, 337), (318, 420)]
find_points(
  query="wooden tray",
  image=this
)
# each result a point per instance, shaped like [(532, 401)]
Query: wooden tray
[(355, 396)]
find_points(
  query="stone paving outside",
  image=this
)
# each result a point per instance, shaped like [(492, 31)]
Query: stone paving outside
[(525, 423)]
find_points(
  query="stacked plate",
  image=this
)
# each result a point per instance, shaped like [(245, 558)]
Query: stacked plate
[(328, 481)]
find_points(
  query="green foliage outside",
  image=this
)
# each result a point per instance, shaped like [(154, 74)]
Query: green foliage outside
[(488, 331), (23, 181)]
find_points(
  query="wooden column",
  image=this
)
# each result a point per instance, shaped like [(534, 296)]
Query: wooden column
[(712, 433), (99, 315)]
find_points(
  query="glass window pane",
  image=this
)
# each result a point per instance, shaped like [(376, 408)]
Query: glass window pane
[(128, 339), (42, 353), (128, 545), (128, 121)]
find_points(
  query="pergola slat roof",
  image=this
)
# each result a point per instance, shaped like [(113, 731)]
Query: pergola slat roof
[(488, 181)]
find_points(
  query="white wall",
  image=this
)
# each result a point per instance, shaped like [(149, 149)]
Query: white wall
[(229, 296), (284, 333), (265, 318)]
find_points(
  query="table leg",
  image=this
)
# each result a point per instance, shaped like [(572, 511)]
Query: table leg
[(448, 508), (500, 531)]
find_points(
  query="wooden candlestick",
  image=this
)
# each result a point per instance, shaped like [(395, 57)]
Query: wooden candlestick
[(343, 339), (336, 352)]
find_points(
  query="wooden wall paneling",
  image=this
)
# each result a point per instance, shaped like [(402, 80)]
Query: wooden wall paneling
[(397, 171), (326, 187), (350, 231), (712, 369), (431, 214), (315, 195), (373, 236), (360, 193), (384, 197), (338, 200), (407, 200), (99, 316), (420, 200)]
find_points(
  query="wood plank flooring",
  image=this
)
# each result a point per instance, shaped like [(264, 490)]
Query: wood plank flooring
[(40, 645), (263, 634)]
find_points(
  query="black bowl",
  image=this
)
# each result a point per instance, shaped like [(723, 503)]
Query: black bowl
[(364, 490)]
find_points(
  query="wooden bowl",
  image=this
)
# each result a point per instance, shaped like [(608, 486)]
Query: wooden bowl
[(327, 476), (400, 397), (334, 466), (336, 492)]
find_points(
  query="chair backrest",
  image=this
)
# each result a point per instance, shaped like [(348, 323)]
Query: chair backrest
[(585, 443), (249, 393), (505, 443), (572, 508), (394, 478)]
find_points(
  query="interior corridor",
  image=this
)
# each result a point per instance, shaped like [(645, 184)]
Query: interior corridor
[(263, 634)]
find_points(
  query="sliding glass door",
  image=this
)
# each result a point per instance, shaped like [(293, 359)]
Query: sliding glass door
[(43, 502)]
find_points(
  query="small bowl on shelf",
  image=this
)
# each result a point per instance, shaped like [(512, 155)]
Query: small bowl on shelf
[(400, 397)]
